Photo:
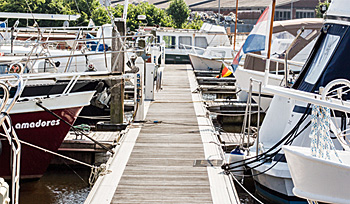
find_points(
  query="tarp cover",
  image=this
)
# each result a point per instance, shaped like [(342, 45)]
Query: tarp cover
[(337, 53)]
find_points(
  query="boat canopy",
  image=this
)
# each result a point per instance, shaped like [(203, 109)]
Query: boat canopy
[(210, 28), (329, 59), (284, 33)]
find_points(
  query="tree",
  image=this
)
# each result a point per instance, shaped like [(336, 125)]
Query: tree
[(68, 7), (154, 16), (179, 12), (195, 22), (319, 14), (88, 9)]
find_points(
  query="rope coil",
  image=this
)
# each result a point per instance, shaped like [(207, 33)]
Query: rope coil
[(321, 142)]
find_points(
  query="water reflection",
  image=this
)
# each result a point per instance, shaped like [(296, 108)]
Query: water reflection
[(60, 184)]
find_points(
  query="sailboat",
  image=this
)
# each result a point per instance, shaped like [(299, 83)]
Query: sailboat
[(35, 121)]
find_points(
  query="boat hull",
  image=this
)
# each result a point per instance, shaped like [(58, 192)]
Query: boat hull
[(204, 64), (177, 59), (319, 179), (39, 127)]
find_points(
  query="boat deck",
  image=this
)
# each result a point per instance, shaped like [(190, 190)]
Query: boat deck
[(160, 160)]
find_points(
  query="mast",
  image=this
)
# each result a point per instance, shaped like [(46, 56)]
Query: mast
[(219, 13), (125, 12), (236, 17), (267, 67)]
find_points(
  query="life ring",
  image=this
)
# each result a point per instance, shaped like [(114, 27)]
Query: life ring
[(16, 68)]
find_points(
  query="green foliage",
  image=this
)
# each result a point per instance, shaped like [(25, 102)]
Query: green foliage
[(175, 16), (87, 9), (154, 16), (179, 12), (51, 7), (319, 14), (195, 23)]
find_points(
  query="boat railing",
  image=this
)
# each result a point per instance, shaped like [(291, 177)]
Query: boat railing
[(40, 54), (6, 82), (72, 78), (279, 61), (190, 49), (246, 128), (333, 96)]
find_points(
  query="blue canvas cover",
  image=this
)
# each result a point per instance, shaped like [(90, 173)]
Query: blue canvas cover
[(329, 60)]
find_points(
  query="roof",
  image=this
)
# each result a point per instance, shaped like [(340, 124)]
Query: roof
[(213, 4)]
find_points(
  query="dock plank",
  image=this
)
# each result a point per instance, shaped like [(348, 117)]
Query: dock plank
[(154, 164), (160, 168)]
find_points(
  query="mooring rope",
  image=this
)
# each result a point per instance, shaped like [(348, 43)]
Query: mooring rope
[(39, 103), (321, 142), (246, 190)]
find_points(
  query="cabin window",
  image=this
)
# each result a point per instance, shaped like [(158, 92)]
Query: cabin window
[(158, 39), (170, 42), (201, 42), (185, 40), (322, 56)]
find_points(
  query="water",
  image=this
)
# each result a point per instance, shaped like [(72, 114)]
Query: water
[(59, 185)]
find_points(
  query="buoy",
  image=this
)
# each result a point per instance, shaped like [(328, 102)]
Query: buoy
[(16, 68), (235, 156)]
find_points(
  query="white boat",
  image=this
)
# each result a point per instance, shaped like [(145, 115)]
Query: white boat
[(319, 179), (176, 41), (284, 32), (287, 119), (211, 59)]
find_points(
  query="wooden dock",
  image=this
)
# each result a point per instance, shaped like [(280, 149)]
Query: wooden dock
[(155, 161)]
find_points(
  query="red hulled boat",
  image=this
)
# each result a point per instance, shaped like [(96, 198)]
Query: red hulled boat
[(39, 127)]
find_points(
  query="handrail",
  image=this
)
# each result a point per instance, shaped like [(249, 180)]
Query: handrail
[(212, 52), (248, 114), (290, 62), (6, 82)]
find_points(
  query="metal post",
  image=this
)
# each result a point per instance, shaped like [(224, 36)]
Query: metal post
[(250, 111), (258, 122), (149, 81), (139, 88), (234, 40), (12, 29), (286, 68)]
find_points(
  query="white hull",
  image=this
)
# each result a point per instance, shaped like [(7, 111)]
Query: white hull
[(208, 64), (277, 179), (78, 99), (242, 83), (319, 179)]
